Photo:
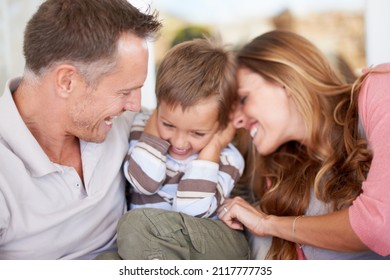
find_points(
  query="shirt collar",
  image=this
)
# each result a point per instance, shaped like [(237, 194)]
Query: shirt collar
[(18, 137)]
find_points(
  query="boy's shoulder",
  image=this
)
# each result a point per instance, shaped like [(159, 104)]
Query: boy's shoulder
[(230, 155)]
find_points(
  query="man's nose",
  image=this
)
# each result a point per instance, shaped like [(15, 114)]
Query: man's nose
[(133, 101)]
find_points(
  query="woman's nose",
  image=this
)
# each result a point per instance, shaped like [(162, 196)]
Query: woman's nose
[(239, 118)]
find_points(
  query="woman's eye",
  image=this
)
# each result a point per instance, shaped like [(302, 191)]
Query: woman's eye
[(242, 100)]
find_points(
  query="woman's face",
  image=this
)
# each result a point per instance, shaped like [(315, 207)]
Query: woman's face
[(267, 111)]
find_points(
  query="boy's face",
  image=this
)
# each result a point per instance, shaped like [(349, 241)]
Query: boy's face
[(187, 131)]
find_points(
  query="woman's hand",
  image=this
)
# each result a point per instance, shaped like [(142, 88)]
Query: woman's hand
[(238, 213)]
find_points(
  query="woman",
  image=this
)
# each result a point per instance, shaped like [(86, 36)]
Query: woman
[(323, 154)]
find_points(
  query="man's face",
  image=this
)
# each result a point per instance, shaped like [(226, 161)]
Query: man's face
[(93, 109)]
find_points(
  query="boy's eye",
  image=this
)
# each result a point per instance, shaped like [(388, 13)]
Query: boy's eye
[(242, 100), (167, 125), (198, 134)]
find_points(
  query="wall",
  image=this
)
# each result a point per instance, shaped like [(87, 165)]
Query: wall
[(14, 15), (377, 14)]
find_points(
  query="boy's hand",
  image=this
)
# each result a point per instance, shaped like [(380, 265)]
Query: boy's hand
[(219, 141)]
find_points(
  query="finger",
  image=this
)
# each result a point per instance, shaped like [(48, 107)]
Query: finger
[(226, 217), (222, 210), (236, 225)]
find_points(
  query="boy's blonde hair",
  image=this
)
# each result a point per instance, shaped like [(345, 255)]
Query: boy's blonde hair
[(196, 70)]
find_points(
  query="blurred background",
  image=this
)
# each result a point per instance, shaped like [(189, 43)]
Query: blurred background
[(352, 33)]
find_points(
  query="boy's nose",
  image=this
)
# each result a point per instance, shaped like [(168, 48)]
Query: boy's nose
[(179, 141)]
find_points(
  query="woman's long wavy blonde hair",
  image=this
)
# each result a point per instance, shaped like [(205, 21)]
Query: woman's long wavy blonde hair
[(335, 160)]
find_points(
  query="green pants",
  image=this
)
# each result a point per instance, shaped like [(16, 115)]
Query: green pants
[(159, 234)]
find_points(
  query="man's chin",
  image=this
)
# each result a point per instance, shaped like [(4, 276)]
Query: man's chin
[(96, 139)]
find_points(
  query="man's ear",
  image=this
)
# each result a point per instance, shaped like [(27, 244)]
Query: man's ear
[(65, 78)]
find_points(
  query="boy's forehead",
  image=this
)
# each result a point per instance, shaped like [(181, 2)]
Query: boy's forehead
[(199, 115), (200, 105)]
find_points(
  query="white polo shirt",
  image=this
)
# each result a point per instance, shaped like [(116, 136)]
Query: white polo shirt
[(45, 210)]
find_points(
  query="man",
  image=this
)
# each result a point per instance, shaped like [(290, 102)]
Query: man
[(63, 130)]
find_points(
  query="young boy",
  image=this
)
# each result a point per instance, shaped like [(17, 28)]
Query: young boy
[(180, 158)]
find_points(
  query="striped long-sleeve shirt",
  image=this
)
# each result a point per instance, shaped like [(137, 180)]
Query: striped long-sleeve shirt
[(192, 186)]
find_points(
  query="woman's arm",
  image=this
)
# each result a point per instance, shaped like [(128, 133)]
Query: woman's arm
[(332, 231), (370, 213)]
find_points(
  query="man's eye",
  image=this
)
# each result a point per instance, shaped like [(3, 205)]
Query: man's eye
[(125, 92)]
